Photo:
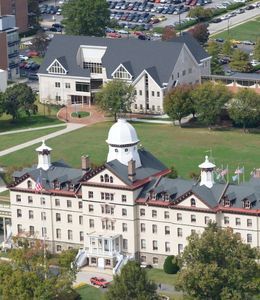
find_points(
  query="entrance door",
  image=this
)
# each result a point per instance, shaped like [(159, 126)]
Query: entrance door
[(101, 263)]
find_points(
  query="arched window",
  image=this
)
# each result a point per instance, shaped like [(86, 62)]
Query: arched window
[(192, 202), (111, 179), (29, 184), (106, 178), (247, 204), (102, 178)]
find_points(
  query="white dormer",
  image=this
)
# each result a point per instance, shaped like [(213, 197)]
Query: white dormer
[(44, 157), (207, 174), (122, 73), (56, 68)]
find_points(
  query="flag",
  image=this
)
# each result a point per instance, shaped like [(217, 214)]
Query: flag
[(239, 171), (38, 185), (234, 178)]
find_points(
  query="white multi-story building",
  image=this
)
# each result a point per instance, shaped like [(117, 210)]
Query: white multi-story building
[(75, 67), (128, 206)]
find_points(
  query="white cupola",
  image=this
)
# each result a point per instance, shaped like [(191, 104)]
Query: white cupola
[(206, 173), (44, 156), (122, 140)]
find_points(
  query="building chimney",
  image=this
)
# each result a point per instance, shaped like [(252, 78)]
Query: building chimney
[(256, 173), (85, 163), (131, 170)]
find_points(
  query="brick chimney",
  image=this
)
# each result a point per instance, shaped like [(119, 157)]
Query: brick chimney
[(256, 173), (131, 170), (85, 163)]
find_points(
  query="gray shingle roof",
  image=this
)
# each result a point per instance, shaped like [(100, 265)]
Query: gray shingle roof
[(158, 58)]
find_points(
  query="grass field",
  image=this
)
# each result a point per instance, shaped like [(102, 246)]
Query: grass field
[(247, 31), (7, 141), (89, 292), (184, 148), (159, 276)]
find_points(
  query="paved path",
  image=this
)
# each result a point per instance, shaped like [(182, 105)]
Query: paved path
[(70, 127), (32, 129)]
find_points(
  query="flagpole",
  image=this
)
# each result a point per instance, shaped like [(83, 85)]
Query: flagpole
[(227, 174)]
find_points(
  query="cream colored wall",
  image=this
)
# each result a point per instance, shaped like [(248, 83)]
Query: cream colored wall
[(187, 203), (116, 180)]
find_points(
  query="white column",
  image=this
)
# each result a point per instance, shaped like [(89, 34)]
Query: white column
[(103, 245), (4, 228), (110, 245)]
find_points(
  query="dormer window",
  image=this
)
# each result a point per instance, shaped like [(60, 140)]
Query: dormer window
[(226, 202), (166, 197), (122, 73), (71, 186), (29, 184), (56, 184), (153, 196), (192, 202), (106, 178), (247, 204), (56, 68)]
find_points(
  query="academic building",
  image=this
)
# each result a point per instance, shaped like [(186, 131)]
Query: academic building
[(127, 207)]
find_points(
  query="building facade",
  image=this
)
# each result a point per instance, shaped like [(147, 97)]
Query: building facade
[(127, 207), (74, 74)]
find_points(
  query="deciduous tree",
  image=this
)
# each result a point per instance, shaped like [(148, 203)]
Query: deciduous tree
[(169, 33), (200, 13), (213, 48), (132, 284), (219, 266), (209, 98), (86, 17), (40, 43), (227, 49), (240, 61), (200, 33), (245, 107), (116, 96)]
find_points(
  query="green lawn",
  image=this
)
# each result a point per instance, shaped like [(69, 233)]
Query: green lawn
[(80, 114), (89, 292), (247, 31), (184, 148), (159, 276), (7, 141)]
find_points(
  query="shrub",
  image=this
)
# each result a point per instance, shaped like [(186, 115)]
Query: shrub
[(170, 265)]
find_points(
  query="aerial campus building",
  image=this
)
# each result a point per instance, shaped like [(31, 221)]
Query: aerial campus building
[(127, 207)]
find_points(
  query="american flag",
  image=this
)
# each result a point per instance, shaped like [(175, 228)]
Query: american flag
[(38, 186)]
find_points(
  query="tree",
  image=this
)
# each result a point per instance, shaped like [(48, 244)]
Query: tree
[(200, 33), (40, 43), (227, 49), (213, 48), (86, 17), (178, 102), (169, 33), (200, 13), (173, 174), (170, 265), (257, 50), (33, 12), (219, 266), (116, 96), (132, 284), (209, 98), (215, 66), (245, 107), (240, 61), (18, 99)]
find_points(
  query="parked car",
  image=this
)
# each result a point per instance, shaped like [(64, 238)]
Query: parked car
[(23, 57), (32, 53), (33, 76), (99, 282), (114, 35)]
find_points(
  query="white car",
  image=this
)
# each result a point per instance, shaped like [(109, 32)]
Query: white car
[(255, 63), (23, 57)]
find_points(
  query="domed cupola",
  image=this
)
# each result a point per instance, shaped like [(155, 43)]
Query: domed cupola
[(122, 140), (206, 173), (44, 156)]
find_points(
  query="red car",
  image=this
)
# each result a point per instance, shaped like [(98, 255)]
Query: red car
[(32, 53), (99, 282), (114, 35)]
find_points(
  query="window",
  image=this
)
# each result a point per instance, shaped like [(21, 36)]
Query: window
[(155, 260), (91, 223), (143, 244), (29, 184), (67, 85), (30, 214), (166, 215), (143, 259), (190, 70), (206, 220), (19, 213), (183, 72), (80, 204), (121, 73), (180, 248), (155, 245), (57, 202), (93, 67), (58, 98), (141, 106), (193, 231), (69, 217), (80, 220), (82, 87), (167, 247), (125, 244), (19, 228), (153, 93), (57, 84), (154, 213), (58, 217), (226, 220), (140, 92), (142, 212), (31, 230), (238, 221), (153, 107), (193, 218), (154, 228), (178, 75), (158, 94), (249, 238), (124, 212), (58, 248), (90, 194), (18, 198), (44, 231), (192, 202), (91, 208), (58, 233), (179, 217), (70, 235), (93, 260), (167, 230), (135, 104), (30, 199), (68, 203), (111, 179), (102, 196), (247, 204), (124, 227), (179, 232), (42, 201), (56, 68), (81, 236), (43, 216), (249, 222), (142, 227), (102, 178), (123, 197)]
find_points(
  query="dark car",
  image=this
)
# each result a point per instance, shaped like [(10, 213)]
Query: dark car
[(33, 76), (216, 20)]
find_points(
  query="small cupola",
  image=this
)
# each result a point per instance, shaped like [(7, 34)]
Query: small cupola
[(44, 156), (206, 173)]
